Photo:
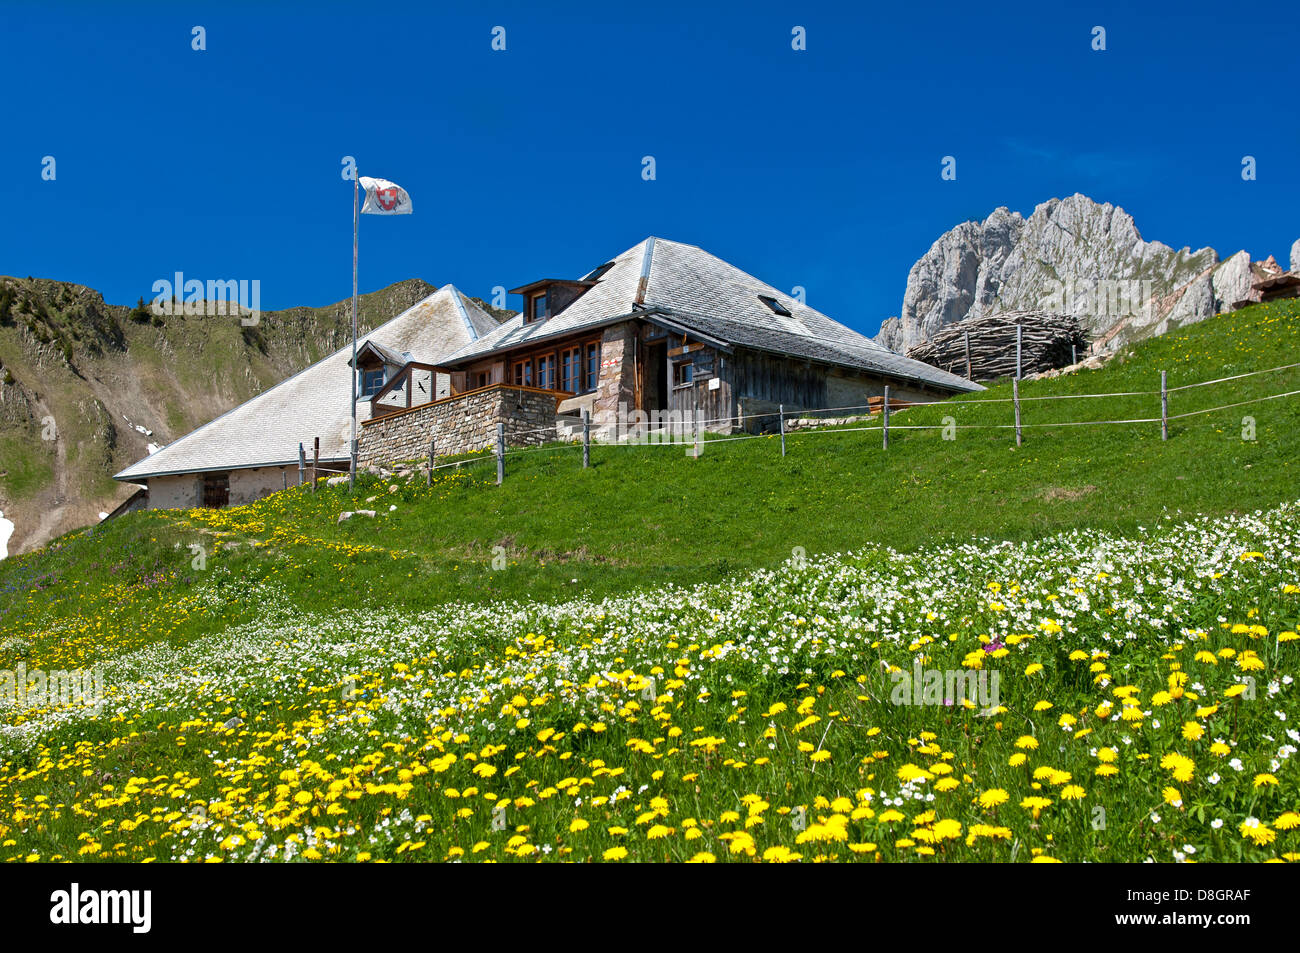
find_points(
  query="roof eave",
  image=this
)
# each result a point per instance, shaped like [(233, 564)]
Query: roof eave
[(973, 388), (547, 282), (137, 477)]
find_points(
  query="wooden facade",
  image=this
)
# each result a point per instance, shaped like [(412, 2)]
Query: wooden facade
[(414, 380), (1277, 287), (670, 372), (568, 366), (780, 380), (682, 376)]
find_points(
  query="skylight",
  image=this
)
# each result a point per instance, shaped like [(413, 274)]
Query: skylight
[(776, 306), (599, 272)]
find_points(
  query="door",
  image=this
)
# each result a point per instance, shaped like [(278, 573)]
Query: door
[(655, 370), (216, 490)]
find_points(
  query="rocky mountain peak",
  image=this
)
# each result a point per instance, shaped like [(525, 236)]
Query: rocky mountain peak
[(1072, 256)]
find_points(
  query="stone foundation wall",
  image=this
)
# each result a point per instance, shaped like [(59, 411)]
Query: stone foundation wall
[(461, 424), (844, 390)]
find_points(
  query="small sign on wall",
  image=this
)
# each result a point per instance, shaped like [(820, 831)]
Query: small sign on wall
[(715, 383)]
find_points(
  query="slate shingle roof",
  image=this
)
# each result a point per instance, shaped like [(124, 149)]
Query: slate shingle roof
[(385, 354), (702, 292), (266, 430)]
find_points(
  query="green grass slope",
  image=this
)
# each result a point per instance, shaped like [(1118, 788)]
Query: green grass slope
[(646, 516), (279, 685)]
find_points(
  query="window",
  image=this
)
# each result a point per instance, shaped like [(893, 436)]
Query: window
[(775, 305), (571, 370), (546, 372), (537, 307), (523, 373), (683, 374), (599, 272), (480, 379), (592, 376), (371, 382)]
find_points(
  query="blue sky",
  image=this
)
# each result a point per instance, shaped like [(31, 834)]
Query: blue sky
[(818, 168)]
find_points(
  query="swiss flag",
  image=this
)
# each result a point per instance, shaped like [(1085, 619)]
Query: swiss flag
[(384, 197)]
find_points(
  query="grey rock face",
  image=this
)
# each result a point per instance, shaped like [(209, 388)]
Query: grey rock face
[(1295, 255), (1071, 256), (891, 334), (1231, 281), (957, 277)]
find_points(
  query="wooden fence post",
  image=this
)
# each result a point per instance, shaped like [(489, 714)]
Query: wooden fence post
[(302, 464), (315, 464), (695, 450), (1164, 405), (501, 453), (781, 411), (885, 418), (433, 446), (966, 336), (1015, 396), (1020, 335), (586, 439), (1074, 353)]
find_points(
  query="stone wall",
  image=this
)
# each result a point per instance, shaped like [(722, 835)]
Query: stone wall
[(253, 484), (461, 424), (844, 389), (185, 490), (615, 386), (178, 491)]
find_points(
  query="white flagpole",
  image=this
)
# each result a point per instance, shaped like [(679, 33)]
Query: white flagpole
[(352, 471)]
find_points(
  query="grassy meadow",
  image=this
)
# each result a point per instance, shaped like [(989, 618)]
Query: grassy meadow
[(722, 658)]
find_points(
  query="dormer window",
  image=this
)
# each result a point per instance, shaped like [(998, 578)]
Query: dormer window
[(371, 382), (537, 307), (549, 297), (377, 365)]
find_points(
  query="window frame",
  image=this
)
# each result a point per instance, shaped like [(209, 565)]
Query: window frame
[(366, 373), (678, 368), (571, 369), (590, 372), (533, 299), (546, 371), (524, 379)]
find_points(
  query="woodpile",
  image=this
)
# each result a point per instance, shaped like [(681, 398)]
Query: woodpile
[(876, 404), (987, 345)]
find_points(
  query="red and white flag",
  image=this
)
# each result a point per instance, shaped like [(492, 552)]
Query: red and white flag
[(384, 197)]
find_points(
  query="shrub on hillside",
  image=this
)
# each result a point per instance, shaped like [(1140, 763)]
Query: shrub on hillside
[(140, 313)]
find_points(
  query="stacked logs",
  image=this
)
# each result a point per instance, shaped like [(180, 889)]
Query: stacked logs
[(989, 344)]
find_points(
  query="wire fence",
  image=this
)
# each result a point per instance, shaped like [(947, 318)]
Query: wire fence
[(873, 417)]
